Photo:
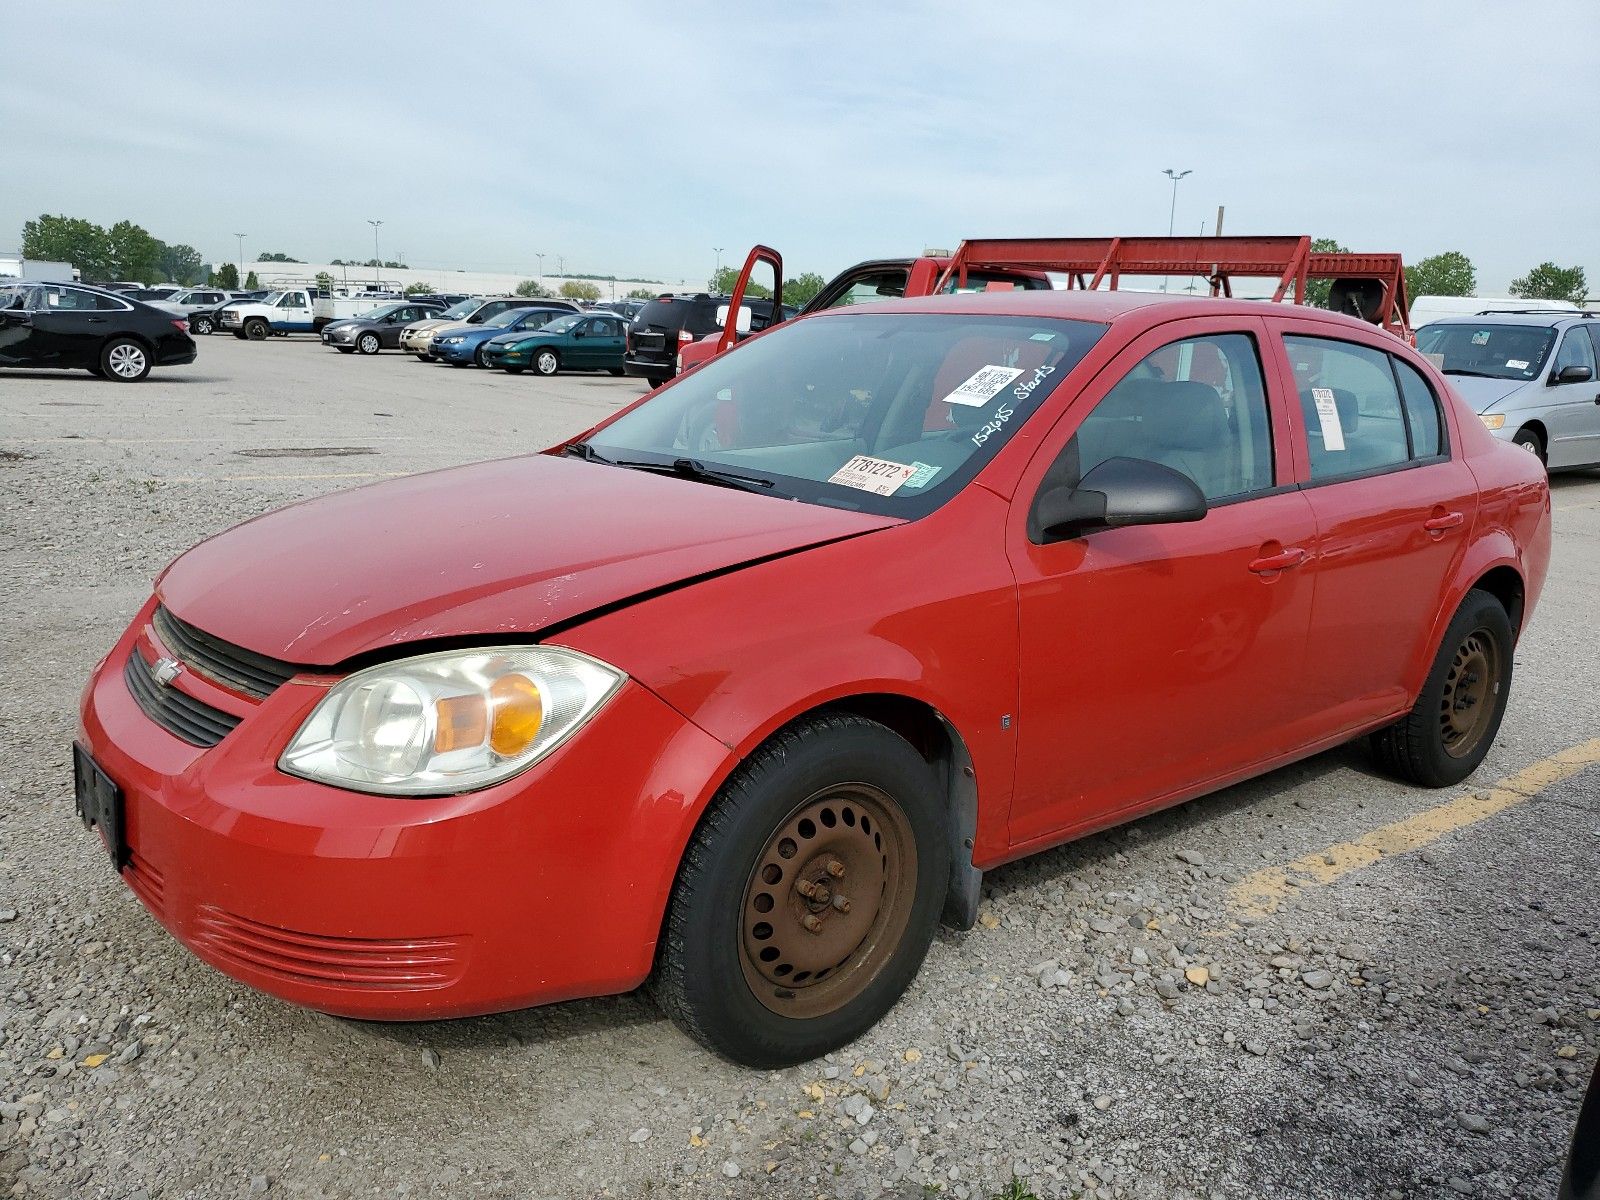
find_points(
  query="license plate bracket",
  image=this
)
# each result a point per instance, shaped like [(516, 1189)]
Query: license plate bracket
[(100, 804)]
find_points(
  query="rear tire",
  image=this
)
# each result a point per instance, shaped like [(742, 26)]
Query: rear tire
[(616, 371), (124, 360), (1529, 440), (239, 333), (200, 325), (345, 349), (257, 330), (483, 357), (656, 381), (808, 896), (1454, 721)]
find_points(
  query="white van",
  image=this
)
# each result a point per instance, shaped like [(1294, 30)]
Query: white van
[(1431, 308)]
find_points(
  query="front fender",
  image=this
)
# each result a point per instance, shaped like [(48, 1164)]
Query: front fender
[(924, 611)]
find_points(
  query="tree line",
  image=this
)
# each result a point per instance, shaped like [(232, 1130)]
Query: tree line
[(1451, 273)]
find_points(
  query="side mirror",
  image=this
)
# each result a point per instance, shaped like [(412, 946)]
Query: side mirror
[(1117, 493), (578, 333), (1576, 373)]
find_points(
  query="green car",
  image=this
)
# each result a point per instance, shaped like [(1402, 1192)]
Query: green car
[(581, 342)]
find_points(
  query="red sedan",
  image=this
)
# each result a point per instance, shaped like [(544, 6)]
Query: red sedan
[(744, 688)]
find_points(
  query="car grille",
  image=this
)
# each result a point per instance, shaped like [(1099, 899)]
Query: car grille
[(413, 964), (234, 667), (179, 713)]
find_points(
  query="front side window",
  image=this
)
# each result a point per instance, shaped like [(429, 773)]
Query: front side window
[(1198, 406), (1486, 349), (1354, 422), (1575, 352), (888, 413)]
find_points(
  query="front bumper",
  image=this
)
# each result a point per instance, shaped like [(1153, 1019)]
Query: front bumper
[(338, 337), (505, 356), (547, 887), (460, 352), (644, 364)]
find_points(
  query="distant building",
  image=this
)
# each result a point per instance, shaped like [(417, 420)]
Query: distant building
[(14, 266)]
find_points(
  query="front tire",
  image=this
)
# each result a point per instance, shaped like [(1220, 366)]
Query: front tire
[(345, 349), (257, 330), (1529, 439), (124, 361), (1454, 721), (513, 370), (547, 362), (615, 371), (808, 897), (368, 343)]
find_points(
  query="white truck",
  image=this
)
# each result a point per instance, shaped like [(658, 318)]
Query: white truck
[(275, 314)]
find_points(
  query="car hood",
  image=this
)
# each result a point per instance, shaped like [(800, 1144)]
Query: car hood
[(497, 550), (515, 336), (347, 323), (1483, 394), (430, 323)]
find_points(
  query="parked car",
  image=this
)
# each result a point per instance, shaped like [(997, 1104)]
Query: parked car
[(626, 309), (669, 322), (378, 329), (1581, 1181), (417, 338), (189, 301), (737, 691), (1530, 376), (64, 326), (464, 345), (274, 315), (152, 293), (204, 321), (571, 342)]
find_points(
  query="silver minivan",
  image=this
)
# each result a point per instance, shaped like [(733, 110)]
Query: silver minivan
[(1530, 376)]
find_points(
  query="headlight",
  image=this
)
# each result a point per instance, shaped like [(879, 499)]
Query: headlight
[(451, 341), (1493, 420), (451, 722)]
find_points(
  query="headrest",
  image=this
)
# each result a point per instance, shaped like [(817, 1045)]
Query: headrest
[(1181, 415)]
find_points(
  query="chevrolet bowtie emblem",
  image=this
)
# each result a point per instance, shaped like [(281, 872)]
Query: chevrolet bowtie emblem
[(165, 670)]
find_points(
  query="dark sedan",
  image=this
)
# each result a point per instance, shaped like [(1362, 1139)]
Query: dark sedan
[(378, 328), (69, 325)]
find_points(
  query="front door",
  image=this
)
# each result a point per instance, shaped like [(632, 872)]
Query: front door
[(605, 344), (1393, 510), (1574, 413), (293, 313), (1159, 658)]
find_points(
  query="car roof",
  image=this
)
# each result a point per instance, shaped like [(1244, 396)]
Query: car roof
[(1545, 319)]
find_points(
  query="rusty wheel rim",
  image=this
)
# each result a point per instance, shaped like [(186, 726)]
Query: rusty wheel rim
[(1470, 689), (828, 901)]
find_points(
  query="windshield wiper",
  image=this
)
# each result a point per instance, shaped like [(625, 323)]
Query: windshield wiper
[(686, 468), (1475, 374)]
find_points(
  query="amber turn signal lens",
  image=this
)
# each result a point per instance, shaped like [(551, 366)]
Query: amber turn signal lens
[(518, 714), (462, 723)]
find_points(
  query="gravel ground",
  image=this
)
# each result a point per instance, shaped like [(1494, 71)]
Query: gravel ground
[(1120, 1023)]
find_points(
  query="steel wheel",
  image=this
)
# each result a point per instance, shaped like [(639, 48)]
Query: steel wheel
[(546, 362), (1473, 681), (827, 904)]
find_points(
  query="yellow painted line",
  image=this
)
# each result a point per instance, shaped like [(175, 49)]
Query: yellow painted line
[(264, 478), (1263, 891)]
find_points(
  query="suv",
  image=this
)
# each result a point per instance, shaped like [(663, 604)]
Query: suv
[(668, 323), (1529, 375)]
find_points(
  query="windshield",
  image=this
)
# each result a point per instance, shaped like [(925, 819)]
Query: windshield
[(887, 413), (377, 314), (560, 324), (1494, 351), (270, 299), (501, 320), (464, 309)]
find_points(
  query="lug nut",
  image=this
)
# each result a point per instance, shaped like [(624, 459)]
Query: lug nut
[(806, 888), (835, 868), (841, 904), (813, 924)]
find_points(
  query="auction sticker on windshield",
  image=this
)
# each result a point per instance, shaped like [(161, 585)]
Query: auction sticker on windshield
[(877, 475), (985, 384)]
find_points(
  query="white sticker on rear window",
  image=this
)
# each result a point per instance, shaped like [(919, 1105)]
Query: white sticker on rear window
[(1481, 338), (877, 475), (985, 384), (1436, 359), (1041, 337), (1328, 414), (922, 474), (1517, 364)]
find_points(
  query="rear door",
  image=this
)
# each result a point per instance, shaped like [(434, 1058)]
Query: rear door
[(1394, 507)]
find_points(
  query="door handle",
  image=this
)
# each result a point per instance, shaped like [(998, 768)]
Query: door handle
[(1282, 561), (1442, 522)]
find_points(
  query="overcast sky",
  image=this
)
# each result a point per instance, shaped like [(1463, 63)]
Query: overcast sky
[(633, 138)]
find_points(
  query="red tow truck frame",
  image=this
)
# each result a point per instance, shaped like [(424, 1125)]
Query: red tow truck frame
[(1369, 286)]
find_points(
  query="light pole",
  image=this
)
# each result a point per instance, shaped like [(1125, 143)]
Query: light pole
[(540, 257), (714, 277), (561, 266), (1172, 214), (377, 259), (241, 237)]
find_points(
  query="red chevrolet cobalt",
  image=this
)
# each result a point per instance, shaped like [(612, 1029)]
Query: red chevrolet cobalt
[(739, 691)]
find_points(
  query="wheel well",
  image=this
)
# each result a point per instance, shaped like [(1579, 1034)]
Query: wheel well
[(1505, 585), (938, 741), (1537, 427)]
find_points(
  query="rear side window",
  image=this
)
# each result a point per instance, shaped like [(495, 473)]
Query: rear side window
[(1422, 410), (1354, 421)]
